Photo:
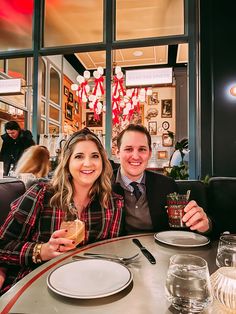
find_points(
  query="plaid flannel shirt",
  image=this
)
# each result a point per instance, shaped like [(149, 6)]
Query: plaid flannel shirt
[(32, 220)]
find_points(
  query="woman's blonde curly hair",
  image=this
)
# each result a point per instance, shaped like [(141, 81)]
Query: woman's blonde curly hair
[(35, 160), (62, 180)]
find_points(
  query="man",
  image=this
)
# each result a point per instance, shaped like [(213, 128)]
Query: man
[(15, 141), (145, 199)]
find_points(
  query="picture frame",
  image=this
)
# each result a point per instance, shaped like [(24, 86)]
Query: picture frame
[(167, 141), (138, 117), (70, 99), (162, 154), (66, 91), (99, 133), (166, 108), (152, 127), (76, 106), (153, 99), (165, 125), (90, 122), (69, 111)]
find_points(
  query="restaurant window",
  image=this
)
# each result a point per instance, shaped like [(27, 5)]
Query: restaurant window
[(53, 128), (42, 126), (42, 108), (17, 68), (73, 22), (1, 65), (54, 113), (43, 67), (54, 86), (153, 18), (16, 24)]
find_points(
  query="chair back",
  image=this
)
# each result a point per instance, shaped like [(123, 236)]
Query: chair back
[(222, 203), (198, 191), (10, 190)]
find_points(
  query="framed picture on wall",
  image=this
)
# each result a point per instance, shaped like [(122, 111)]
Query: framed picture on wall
[(152, 99), (138, 116), (165, 125), (167, 141), (166, 108), (162, 154), (76, 106), (152, 127), (69, 112), (70, 97), (91, 122), (66, 91)]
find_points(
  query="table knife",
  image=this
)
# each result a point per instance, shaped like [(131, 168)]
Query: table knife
[(145, 252)]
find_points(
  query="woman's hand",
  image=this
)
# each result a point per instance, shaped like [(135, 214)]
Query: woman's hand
[(56, 245), (195, 218)]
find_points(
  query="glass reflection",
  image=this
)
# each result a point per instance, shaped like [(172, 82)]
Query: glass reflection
[(153, 18), (16, 24), (73, 22)]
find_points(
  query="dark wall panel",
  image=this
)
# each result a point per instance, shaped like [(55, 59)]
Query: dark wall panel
[(218, 67)]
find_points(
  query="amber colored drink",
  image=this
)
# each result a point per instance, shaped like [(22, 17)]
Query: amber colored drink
[(76, 230)]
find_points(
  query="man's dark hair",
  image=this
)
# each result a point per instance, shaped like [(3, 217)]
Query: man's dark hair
[(136, 128), (12, 125)]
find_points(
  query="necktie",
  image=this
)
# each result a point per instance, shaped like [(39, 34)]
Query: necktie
[(137, 193)]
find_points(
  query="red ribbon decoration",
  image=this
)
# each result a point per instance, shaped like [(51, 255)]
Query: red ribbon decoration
[(98, 82)]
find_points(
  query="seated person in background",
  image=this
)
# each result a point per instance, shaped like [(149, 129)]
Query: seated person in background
[(146, 211), (81, 186), (34, 160)]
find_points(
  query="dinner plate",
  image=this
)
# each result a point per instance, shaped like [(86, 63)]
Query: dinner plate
[(89, 279), (181, 238)]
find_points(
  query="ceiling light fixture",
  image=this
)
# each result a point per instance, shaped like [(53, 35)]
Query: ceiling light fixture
[(233, 90)]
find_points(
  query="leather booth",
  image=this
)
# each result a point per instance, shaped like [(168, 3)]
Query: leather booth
[(10, 189), (218, 198), (221, 203)]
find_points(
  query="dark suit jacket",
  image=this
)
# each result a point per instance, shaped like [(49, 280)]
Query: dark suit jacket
[(157, 187)]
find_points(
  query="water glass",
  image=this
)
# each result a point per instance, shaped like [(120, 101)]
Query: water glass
[(188, 285), (226, 253)]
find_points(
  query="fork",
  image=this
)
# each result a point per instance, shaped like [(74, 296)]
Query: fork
[(120, 258), (110, 257)]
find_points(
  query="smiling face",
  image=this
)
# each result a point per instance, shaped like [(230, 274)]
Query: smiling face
[(134, 154), (85, 164)]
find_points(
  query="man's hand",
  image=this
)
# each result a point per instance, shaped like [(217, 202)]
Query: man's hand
[(195, 218)]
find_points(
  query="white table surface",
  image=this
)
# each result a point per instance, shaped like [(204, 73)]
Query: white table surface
[(145, 295)]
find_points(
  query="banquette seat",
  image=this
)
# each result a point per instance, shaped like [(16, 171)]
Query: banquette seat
[(10, 189), (218, 198)]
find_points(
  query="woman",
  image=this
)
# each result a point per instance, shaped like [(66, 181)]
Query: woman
[(34, 160), (81, 185)]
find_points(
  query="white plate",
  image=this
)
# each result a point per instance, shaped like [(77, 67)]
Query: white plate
[(89, 279), (181, 238)]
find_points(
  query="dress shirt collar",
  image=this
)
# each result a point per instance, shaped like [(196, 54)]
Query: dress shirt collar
[(125, 181)]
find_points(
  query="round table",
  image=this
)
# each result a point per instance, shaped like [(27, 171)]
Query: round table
[(146, 294)]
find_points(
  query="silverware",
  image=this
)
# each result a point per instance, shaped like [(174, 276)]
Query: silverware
[(120, 258), (108, 257), (145, 252)]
